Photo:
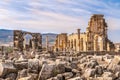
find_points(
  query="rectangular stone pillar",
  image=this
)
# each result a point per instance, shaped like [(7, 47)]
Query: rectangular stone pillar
[(78, 31), (101, 45)]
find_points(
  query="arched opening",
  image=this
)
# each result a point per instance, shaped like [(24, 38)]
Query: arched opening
[(28, 42), (97, 43), (100, 43)]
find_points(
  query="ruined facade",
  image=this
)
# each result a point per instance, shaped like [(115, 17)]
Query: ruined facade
[(94, 39), (61, 41), (19, 41)]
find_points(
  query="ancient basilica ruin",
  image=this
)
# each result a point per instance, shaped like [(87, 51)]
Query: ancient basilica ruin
[(78, 56), (94, 39)]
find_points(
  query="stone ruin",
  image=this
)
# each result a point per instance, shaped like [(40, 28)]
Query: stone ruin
[(57, 65), (19, 41), (94, 39), (60, 66)]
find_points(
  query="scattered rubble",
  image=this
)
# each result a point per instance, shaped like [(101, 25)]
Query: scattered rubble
[(50, 66)]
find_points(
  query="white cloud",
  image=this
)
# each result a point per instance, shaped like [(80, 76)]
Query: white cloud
[(113, 23), (52, 22), (58, 16)]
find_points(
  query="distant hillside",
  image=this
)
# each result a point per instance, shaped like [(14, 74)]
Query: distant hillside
[(6, 36), (51, 38)]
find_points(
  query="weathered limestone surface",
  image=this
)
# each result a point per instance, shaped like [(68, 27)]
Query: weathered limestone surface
[(22, 73), (33, 65), (69, 61), (45, 66), (94, 39), (6, 68), (115, 64), (76, 78)]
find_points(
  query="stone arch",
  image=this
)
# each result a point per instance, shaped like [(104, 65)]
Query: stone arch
[(95, 43), (19, 40), (27, 41), (98, 43)]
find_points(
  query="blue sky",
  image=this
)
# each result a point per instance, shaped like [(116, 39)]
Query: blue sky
[(58, 16)]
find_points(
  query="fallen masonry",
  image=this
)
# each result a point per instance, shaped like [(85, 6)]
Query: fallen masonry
[(52, 66)]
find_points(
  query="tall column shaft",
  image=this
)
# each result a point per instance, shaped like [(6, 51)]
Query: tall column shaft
[(78, 31)]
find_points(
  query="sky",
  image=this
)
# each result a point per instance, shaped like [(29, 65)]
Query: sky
[(59, 16)]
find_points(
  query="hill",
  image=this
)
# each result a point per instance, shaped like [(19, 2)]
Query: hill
[(6, 36)]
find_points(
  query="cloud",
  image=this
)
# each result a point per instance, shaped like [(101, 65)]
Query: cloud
[(113, 23), (56, 15), (52, 22)]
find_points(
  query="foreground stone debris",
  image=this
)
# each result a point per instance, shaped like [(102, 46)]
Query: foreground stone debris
[(52, 66), (6, 68)]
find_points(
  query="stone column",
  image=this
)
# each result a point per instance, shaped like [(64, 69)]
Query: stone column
[(95, 44), (58, 43), (47, 43), (62, 45), (70, 45), (104, 44), (75, 44), (108, 46), (24, 44), (78, 31), (33, 44), (101, 44), (81, 44)]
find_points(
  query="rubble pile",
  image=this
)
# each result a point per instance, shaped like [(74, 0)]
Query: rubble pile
[(55, 66)]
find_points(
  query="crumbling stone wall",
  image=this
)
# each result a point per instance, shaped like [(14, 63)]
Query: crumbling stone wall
[(97, 28), (61, 41), (94, 39), (19, 40)]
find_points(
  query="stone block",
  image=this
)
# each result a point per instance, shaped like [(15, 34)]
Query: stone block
[(22, 73), (11, 76), (26, 78), (92, 64), (99, 70), (21, 65), (90, 72), (76, 72), (76, 78), (47, 71), (114, 62), (33, 65), (68, 75), (6, 68), (108, 76)]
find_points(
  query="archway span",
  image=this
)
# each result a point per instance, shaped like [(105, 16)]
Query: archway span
[(97, 43), (19, 39), (27, 41)]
